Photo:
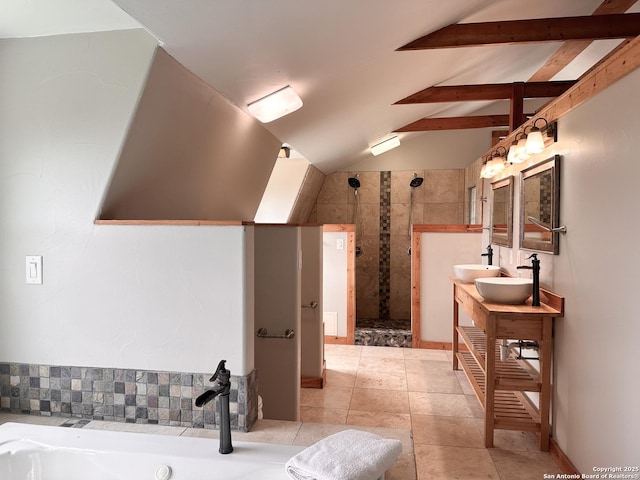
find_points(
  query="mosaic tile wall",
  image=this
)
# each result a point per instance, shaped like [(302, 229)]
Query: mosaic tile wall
[(124, 395), (384, 280)]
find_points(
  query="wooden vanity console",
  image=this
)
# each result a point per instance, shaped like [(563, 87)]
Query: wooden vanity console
[(499, 385)]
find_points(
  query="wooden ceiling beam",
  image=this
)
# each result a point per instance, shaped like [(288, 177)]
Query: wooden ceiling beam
[(456, 123), (592, 27), (489, 91), (570, 49)]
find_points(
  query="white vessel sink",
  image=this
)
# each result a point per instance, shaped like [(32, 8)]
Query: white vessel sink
[(504, 289), (469, 272)]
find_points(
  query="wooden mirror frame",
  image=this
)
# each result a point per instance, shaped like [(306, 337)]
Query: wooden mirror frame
[(545, 241), (504, 235)]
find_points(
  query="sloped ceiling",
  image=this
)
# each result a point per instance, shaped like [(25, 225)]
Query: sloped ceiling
[(341, 58)]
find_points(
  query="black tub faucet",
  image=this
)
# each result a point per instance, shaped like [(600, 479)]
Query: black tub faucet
[(222, 388), (535, 268), (489, 255)]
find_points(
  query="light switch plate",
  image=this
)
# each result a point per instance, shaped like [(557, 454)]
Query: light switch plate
[(33, 266)]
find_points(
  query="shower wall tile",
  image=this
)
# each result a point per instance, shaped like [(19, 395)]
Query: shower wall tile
[(400, 279), (125, 395), (369, 218), (367, 289), (400, 189), (400, 222), (444, 186), (369, 190), (333, 213), (335, 189), (447, 213)]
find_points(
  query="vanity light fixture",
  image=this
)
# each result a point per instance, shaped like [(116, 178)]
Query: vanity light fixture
[(497, 162), (385, 145), (514, 152), (275, 105), (521, 151), (487, 168), (535, 142), (536, 138)]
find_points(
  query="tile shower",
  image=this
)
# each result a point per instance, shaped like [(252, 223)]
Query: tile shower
[(383, 279), (125, 395)]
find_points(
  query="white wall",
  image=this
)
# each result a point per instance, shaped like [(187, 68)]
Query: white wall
[(137, 297), (282, 190), (439, 252), (595, 406), (334, 284)]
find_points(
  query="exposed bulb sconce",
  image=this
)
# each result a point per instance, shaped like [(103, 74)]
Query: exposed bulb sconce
[(521, 150), (496, 161), (487, 168), (511, 157), (275, 105), (385, 146), (285, 152), (535, 139)]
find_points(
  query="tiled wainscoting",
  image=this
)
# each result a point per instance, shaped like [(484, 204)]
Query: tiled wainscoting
[(126, 395)]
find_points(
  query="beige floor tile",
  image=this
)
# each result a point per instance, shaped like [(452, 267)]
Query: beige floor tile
[(404, 469), (382, 352), (338, 397), (431, 376), (425, 354), (340, 378), (396, 380), (375, 400), (323, 415), (331, 350), (381, 364), (310, 432), (379, 419), (475, 407), (437, 462), (451, 431), (467, 389), (445, 404), (342, 362), (522, 465)]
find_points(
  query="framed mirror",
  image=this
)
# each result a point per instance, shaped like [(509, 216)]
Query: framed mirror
[(502, 212), (540, 206)]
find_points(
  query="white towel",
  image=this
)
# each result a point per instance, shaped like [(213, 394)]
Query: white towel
[(347, 455)]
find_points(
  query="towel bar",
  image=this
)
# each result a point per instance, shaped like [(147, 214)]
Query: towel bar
[(288, 334)]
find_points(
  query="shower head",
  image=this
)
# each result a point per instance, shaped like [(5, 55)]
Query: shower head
[(416, 182), (354, 182)]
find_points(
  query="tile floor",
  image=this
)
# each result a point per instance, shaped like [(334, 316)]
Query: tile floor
[(408, 394), (416, 390)]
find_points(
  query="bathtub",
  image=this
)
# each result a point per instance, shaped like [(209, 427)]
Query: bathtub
[(35, 452)]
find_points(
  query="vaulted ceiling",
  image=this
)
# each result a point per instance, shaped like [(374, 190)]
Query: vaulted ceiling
[(368, 68)]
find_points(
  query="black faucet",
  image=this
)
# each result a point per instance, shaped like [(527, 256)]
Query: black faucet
[(535, 268), (489, 255), (221, 387)]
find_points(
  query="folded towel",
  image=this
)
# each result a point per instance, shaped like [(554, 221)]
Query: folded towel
[(348, 455)]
